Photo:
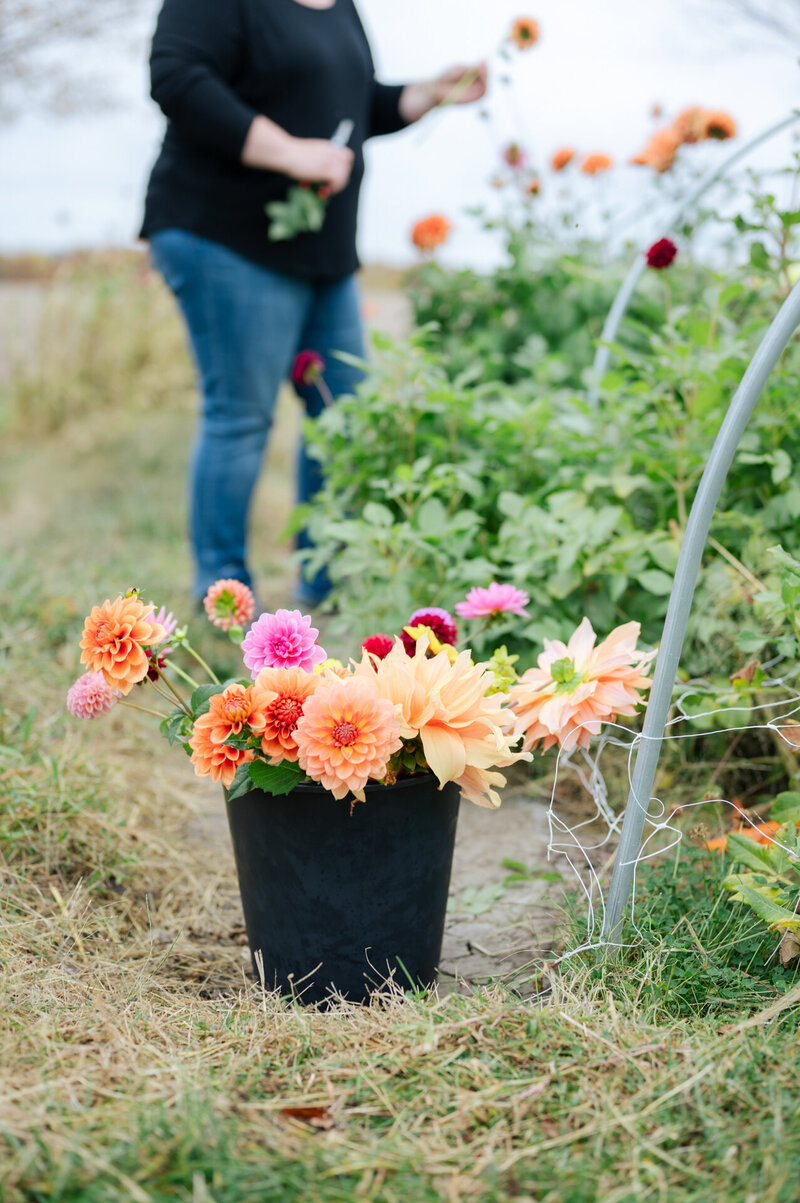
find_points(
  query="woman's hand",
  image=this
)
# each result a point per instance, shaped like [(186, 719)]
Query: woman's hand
[(457, 85), (309, 160)]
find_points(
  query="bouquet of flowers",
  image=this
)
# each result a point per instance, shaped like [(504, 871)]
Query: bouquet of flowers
[(410, 704)]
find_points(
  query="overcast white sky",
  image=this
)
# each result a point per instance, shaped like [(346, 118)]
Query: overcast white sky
[(590, 82)]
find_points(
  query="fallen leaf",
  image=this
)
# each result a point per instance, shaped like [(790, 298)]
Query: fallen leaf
[(316, 1117), (789, 948)]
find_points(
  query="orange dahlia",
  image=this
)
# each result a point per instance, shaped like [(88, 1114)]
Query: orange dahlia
[(533, 186), (444, 703), (235, 711), (213, 759), (430, 232), (524, 33), (346, 735), (229, 603), (577, 687), (690, 124), (561, 157), (719, 125), (115, 638), (595, 163), (282, 693)]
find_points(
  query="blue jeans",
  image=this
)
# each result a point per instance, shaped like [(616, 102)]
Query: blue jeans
[(246, 324)]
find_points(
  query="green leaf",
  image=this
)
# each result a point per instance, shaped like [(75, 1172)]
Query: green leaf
[(201, 698), (172, 724), (786, 807), (745, 852), (241, 783), (785, 560), (377, 515), (656, 581), (432, 517), (774, 915), (275, 779)]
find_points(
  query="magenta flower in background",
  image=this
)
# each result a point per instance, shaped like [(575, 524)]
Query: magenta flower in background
[(497, 599), (90, 696), (308, 367), (440, 622), (661, 253), (285, 639)]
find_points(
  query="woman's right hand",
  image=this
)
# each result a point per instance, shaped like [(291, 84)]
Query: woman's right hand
[(309, 160), (317, 161)]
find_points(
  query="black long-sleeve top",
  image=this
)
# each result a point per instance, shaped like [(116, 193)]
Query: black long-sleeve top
[(215, 65)]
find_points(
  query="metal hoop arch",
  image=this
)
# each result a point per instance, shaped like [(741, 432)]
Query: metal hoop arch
[(730, 433)]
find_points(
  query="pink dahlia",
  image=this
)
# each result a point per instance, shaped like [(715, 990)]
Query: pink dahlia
[(435, 619), (577, 687), (497, 599), (229, 603), (307, 367), (285, 639), (346, 735), (170, 625), (378, 645), (514, 155), (661, 253), (90, 696)]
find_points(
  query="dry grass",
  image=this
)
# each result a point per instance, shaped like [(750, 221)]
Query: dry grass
[(140, 1062)]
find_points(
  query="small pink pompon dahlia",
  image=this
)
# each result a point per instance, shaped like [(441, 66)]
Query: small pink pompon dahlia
[(496, 599), (346, 735), (285, 639), (229, 603), (578, 687), (90, 696), (435, 619)]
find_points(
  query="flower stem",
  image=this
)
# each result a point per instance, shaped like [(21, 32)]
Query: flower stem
[(184, 676), (201, 662), (144, 709), (175, 695)]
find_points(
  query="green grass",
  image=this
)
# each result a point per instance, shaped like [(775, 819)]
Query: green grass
[(140, 1063)]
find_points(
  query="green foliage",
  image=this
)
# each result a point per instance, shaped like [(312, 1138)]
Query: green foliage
[(303, 211), (697, 955), (435, 484), (539, 314)]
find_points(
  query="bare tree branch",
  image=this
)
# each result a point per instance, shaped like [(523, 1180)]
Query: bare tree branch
[(34, 34)]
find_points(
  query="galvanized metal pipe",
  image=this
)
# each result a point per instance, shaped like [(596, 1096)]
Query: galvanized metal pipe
[(719, 461), (628, 286)]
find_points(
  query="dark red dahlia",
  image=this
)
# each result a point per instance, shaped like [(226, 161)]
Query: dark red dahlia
[(440, 622), (661, 253), (307, 367), (378, 645)]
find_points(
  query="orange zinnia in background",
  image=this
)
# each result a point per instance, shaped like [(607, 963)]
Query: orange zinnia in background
[(430, 232), (561, 157), (524, 33), (595, 163)]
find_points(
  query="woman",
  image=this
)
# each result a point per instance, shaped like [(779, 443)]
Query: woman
[(253, 91)]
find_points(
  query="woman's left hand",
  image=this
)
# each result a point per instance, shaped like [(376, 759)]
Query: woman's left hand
[(460, 85), (457, 85)]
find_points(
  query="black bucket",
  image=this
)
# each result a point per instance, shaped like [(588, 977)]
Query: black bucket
[(335, 901)]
